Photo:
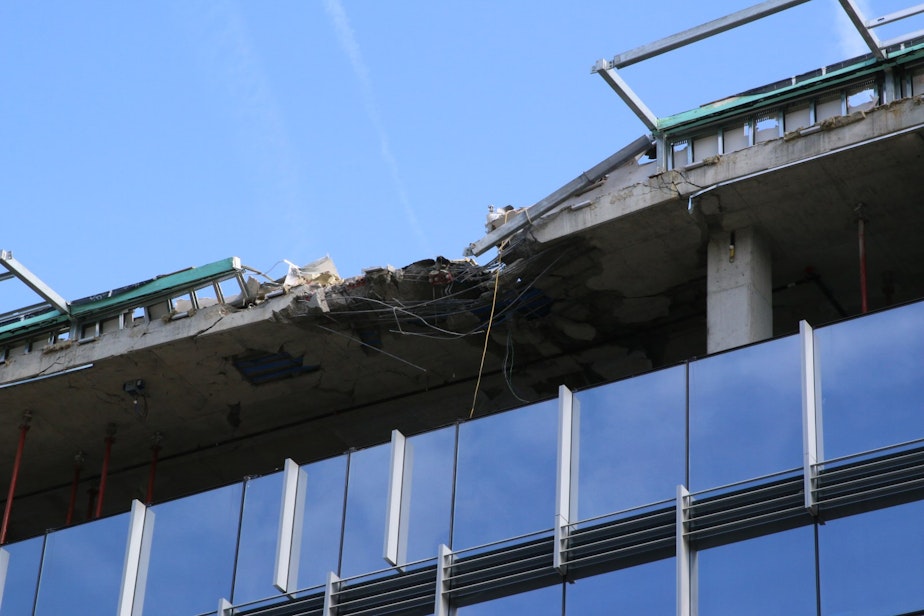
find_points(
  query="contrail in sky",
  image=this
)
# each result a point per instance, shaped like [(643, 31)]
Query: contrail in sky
[(351, 48)]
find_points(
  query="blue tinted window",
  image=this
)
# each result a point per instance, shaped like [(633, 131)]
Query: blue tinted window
[(431, 493), (778, 568), (872, 380), (632, 442), (506, 475), (746, 413), (192, 552), (542, 602), (647, 589), (21, 577), (320, 549), (82, 568), (873, 563), (364, 537), (259, 534)]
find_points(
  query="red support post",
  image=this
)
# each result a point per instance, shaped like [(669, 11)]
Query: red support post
[(155, 449), (861, 233), (23, 428), (110, 439), (78, 464)]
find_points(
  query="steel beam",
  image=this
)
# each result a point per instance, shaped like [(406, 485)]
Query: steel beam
[(856, 17), (521, 220), (630, 98), (33, 282), (716, 26), (896, 16)]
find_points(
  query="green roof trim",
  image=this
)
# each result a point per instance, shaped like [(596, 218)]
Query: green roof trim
[(131, 297), (736, 105), (159, 286)]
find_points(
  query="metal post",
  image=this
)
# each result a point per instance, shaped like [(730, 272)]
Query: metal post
[(861, 239), (79, 459), (23, 428), (155, 449), (110, 439)]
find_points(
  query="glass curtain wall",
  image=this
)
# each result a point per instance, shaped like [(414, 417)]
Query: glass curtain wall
[(722, 419)]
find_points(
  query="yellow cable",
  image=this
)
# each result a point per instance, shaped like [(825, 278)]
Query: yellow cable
[(487, 335)]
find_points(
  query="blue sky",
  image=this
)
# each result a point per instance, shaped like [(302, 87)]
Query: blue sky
[(142, 138)]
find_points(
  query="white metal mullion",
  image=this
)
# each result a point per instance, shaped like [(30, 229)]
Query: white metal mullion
[(399, 500), (291, 517), (566, 484), (4, 567), (137, 557), (442, 606), (331, 588), (812, 442), (686, 559)]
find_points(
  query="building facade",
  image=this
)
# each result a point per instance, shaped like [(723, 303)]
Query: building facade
[(783, 477)]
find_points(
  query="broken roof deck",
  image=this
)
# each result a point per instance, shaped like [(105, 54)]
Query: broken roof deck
[(602, 279)]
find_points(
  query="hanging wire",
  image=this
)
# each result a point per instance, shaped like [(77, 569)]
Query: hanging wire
[(487, 334), (508, 368)]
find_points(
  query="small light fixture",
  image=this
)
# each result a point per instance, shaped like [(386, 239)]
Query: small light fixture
[(135, 389)]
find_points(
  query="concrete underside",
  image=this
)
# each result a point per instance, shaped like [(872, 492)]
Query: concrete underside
[(589, 295)]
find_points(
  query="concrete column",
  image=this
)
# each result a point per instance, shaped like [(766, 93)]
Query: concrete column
[(738, 290)]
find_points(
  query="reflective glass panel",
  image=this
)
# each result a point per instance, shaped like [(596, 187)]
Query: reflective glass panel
[(541, 602), (21, 577), (506, 475), (736, 137), (746, 413), (872, 380), (797, 117), (320, 550), (364, 535), (644, 589), (259, 534), (777, 568), (873, 563), (431, 493), (827, 108), (705, 146), (82, 568), (192, 552), (632, 441), (680, 154), (917, 82)]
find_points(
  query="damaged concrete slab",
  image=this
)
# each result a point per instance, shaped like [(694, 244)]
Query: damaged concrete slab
[(227, 372)]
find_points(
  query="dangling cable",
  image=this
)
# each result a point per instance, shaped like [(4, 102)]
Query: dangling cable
[(487, 334)]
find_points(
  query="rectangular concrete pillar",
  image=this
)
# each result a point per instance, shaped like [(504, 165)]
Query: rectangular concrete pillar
[(738, 290)]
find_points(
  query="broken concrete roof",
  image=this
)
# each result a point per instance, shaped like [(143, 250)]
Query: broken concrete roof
[(608, 281)]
